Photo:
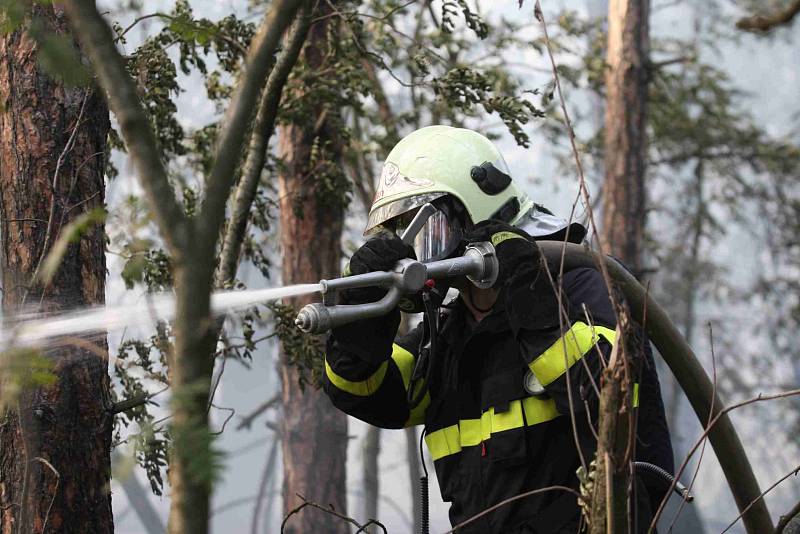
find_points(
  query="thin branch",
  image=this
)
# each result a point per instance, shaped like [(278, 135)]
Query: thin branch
[(330, 510), (765, 23), (236, 121), (717, 417), (55, 490), (133, 402), (98, 42), (509, 501), (231, 413), (793, 472), (248, 419), (257, 151)]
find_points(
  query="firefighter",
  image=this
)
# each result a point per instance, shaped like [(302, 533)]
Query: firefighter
[(504, 379)]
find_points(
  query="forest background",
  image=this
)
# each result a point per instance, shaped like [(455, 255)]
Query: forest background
[(720, 245)]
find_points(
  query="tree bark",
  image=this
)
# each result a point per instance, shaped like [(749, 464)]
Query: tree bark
[(55, 439), (609, 511), (314, 432), (624, 195)]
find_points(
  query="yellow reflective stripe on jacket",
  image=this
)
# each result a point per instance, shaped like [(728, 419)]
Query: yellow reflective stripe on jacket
[(363, 388), (417, 415), (405, 363), (360, 388), (471, 432), (572, 346), (499, 237), (636, 394)]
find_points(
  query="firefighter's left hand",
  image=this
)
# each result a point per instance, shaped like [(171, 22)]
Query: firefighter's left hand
[(516, 250)]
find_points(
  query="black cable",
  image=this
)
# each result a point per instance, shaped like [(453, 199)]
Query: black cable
[(424, 504), (664, 475), (431, 329)]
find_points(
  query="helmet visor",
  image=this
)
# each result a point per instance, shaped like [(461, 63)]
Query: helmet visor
[(379, 216), (437, 239)]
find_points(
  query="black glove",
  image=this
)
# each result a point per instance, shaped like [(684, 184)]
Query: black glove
[(525, 287), (371, 339), (379, 253), (515, 249)]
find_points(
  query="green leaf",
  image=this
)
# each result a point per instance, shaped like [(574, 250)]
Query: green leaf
[(12, 14), (59, 58), (69, 234)]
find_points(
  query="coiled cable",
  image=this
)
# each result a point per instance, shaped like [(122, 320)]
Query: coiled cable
[(424, 504), (678, 488)]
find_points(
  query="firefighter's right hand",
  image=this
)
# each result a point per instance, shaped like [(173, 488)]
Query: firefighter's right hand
[(379, 253)]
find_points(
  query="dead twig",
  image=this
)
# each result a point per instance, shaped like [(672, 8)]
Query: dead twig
[(717, 417), (330, 510), (793, 472), (55, 490), (248, 419)]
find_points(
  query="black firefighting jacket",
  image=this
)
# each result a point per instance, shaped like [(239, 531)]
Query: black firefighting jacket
[(490, 439)]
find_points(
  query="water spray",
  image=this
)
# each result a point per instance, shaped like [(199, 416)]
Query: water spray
[(478, 263)]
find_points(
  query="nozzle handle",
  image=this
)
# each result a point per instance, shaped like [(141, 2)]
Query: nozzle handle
[(317, 318), (478, 264)]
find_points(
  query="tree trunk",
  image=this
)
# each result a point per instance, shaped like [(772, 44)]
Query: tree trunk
[(624, 196), (314, 432), (55, 438), (191, 465), (609, 510)]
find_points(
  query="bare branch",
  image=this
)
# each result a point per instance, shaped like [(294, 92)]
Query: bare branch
[(793, 472), (706, 431), (236, 122), (98, 42), (330, 510), (765, 23), (257, 151), (248, 419)]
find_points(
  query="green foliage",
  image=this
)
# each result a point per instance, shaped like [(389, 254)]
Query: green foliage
[(463, 88), (21, 369), (59, 58), (12, 15), (138, 364), (57, 54), (194, 441), (69, 235), (473, 20), (302, 350)]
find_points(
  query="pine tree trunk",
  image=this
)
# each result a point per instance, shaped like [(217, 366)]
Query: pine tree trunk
[(624, 195), (314, 432), (55, 439)]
